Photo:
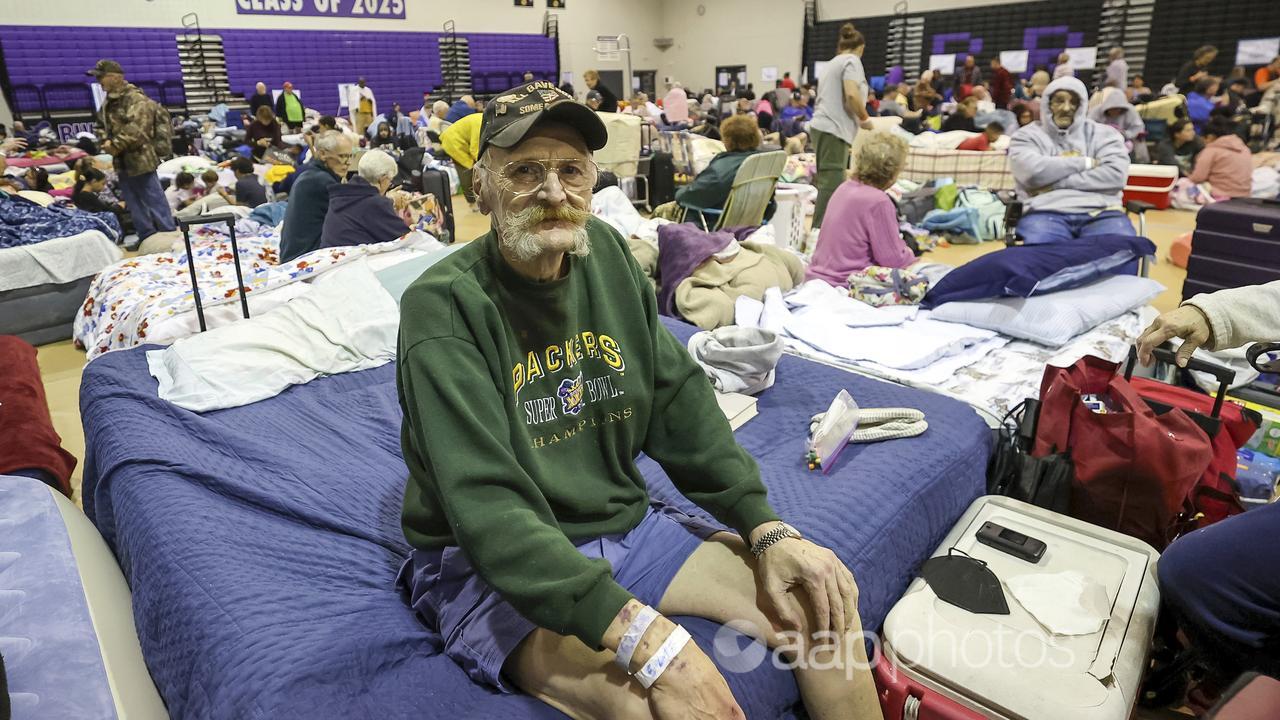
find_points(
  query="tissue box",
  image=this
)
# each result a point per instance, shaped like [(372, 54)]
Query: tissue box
[(1267, 439), (1256, 474)]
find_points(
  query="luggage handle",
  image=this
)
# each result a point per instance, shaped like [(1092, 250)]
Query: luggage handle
[(230, 219), (1224, 376)]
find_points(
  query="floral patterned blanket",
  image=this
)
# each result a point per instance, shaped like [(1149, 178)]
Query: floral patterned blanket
[(148, 299)]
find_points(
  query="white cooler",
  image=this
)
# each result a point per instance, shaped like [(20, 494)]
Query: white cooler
[(942, 662)]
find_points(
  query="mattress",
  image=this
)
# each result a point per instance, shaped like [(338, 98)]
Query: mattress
[(262, 542), (43, 314), (57, 261), (989, 170)]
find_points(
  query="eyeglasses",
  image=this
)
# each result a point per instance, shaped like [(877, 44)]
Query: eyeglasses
[(524, 177)]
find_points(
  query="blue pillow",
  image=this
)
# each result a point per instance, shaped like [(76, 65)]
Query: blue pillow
[(1026, 270)]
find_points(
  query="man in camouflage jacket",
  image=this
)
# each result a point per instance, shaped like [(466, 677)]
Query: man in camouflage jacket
[(137, 136)]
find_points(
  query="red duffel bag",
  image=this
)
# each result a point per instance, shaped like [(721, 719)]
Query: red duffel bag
[(1135, 466), (1228, 425)]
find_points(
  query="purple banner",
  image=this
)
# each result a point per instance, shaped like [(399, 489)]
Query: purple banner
[(393, 9)]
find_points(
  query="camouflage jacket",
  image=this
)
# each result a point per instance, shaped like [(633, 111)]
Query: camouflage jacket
[(139, 131)]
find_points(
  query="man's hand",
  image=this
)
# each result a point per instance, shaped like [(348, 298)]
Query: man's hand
[(13, 145), (793, 563), (1186, 322), (692, 688), (263, 142), (109, 147), (866, 124)]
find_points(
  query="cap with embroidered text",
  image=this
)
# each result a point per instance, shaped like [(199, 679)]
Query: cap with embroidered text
[(512, 114)]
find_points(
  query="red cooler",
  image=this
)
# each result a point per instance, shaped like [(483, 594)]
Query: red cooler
[(1151, 183)]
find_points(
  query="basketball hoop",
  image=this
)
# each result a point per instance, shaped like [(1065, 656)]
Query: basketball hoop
[(607, 48)]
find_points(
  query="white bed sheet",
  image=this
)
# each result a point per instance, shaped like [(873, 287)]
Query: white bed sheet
[(995, 375), (56, 261)]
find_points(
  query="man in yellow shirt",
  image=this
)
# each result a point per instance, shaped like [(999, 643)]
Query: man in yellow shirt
[(363, 106), (461, 141)]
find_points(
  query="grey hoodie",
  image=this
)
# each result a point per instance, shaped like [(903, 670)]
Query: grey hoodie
[(1129, 124), (1050, 165)]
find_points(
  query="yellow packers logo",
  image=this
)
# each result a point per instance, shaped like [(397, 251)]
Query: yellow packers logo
[(571, 395)]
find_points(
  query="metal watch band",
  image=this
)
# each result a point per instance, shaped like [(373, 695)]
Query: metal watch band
[(781, 532)]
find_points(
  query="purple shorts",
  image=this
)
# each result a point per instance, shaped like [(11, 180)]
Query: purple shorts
[(479, 630)]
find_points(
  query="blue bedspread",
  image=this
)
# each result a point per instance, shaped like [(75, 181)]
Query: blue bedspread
[(23, 222), (262, 542)]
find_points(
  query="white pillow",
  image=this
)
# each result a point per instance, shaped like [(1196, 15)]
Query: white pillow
[(1054, 318), (347, 322)]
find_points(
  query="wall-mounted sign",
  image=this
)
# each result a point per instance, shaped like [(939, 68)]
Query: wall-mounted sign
[(1015, 61), (324, 8), (555, 4), (1257, 51), (944, 63)]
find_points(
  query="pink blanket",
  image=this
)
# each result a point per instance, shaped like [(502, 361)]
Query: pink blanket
[(24, 161)]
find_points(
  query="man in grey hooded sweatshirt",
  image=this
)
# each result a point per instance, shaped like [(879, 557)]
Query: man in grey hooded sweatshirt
[(1069, 170)]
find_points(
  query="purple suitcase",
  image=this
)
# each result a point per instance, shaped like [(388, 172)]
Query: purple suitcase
[(1236, 243)]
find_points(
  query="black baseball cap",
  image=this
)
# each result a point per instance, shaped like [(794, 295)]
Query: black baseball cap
[(512, 114), (103, 67)]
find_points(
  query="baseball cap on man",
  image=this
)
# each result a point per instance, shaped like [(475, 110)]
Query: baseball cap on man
[(512, 114), (103, 67)]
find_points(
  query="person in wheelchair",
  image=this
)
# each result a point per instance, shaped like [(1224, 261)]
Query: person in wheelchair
[(1069, 170), (1221, 581)]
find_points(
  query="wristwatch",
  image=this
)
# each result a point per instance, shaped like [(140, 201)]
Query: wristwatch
[(781, 531)]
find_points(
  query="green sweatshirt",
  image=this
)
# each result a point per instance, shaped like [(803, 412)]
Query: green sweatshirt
[(525, 406)]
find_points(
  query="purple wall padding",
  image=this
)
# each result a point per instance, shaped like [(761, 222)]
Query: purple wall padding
[(399, 66), (55, 58), (499, 60)]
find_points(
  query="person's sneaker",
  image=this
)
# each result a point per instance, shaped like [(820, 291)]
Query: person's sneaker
[(127, 240)]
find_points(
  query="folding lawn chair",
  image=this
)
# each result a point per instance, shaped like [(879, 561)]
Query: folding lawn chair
[(753, 188)]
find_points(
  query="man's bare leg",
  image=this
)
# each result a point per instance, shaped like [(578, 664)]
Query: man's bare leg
[(718, 582)]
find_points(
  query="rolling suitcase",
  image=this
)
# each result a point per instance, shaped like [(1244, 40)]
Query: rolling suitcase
[(1236, 243), (942, 662), (662, 179), (436, 182)]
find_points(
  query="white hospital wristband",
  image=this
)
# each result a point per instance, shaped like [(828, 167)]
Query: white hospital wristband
[(631, 638), (661, 660)]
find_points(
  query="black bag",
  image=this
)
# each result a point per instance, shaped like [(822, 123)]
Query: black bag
[(606, 179), (1012, 471), (916, 204), (662, 179), (436, 182), (4, 692), (1236, 243), (410, 165)]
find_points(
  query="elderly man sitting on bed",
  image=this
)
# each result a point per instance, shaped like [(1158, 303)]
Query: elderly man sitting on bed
[(533, 370), (1069, 170)]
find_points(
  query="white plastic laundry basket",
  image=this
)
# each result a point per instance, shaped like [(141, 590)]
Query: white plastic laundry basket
[(788, 218)]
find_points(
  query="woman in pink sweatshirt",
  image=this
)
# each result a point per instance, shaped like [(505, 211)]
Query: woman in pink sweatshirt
[(1225, 162), (861, 225)]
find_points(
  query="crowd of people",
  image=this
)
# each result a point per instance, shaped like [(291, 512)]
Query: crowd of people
[(1070, 150)]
